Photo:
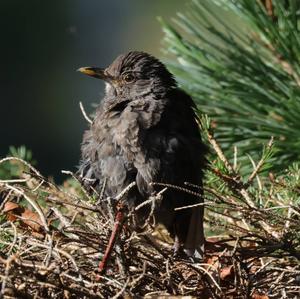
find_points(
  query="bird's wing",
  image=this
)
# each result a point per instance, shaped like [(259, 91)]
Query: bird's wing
[(174, 155)]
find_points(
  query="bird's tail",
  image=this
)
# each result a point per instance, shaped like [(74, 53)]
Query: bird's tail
[(194, 243)]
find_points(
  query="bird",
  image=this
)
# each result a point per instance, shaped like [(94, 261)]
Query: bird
[(146, 130)]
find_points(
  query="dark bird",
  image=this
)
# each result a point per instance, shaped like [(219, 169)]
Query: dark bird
[(145, 130)]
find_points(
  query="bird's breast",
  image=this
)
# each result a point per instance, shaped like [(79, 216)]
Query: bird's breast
[(127, 133), (128, 129)]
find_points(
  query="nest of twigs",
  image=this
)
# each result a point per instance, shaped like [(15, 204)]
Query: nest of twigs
[(53, 237)]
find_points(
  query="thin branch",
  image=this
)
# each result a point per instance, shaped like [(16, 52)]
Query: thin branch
[(84, 113)]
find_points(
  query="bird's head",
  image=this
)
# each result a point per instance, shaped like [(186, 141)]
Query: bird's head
[(133, 75)]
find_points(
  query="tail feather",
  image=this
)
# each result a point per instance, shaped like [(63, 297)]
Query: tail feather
[(194, 243)]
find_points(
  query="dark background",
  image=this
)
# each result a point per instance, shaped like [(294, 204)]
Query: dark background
[(42, 44)]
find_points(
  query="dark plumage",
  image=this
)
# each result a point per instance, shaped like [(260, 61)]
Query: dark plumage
[(145, 130)]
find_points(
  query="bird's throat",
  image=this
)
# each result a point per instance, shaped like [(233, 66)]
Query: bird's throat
[(118, 105)]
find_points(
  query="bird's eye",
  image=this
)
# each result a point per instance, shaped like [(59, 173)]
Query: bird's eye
[(128, 77)]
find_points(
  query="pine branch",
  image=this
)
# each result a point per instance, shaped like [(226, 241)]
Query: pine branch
[(240, 60)]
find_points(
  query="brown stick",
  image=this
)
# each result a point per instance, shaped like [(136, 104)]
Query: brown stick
[(118, 225)]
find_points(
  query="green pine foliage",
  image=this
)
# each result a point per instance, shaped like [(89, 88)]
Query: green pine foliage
[(10, 169), (240, 60)]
